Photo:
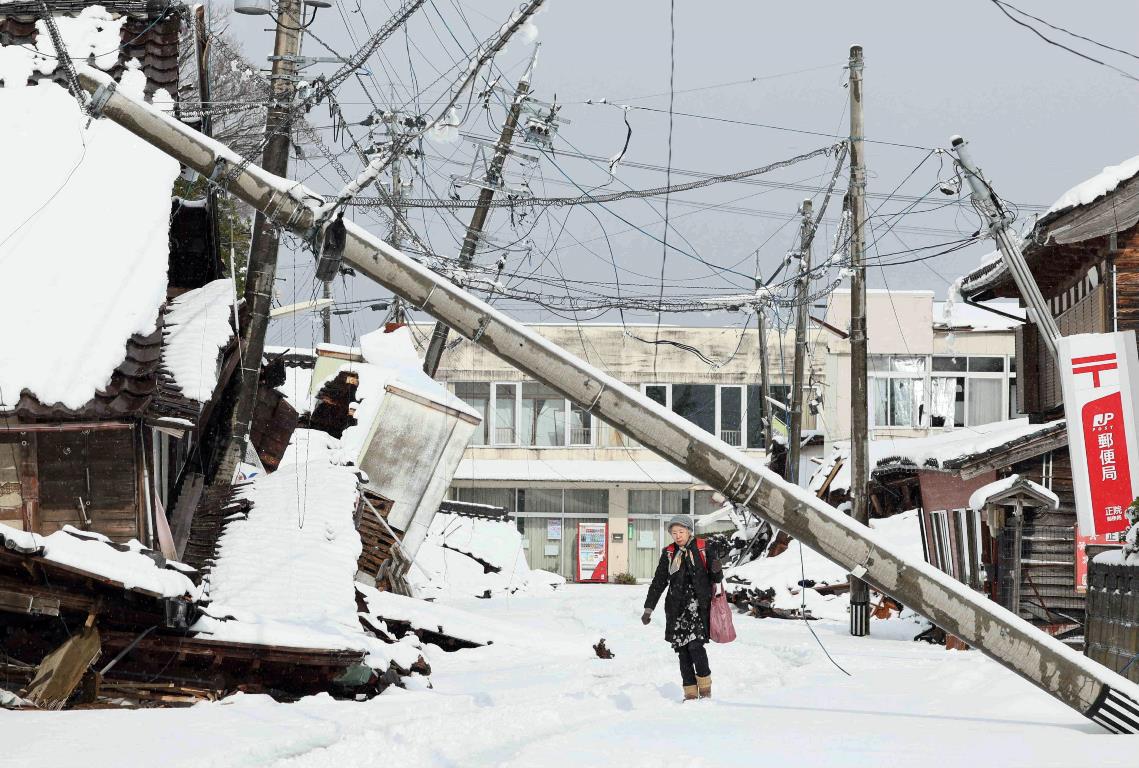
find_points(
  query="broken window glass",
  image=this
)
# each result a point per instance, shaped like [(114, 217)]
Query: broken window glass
[(581, 426), (543, 415)]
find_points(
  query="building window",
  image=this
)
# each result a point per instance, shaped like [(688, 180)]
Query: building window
[(658, 393), (495, 497), (696, 403), (543, 415), (731, 415), (505, 414), (704, 502), (477, 395), (897, 390), (581, 426)]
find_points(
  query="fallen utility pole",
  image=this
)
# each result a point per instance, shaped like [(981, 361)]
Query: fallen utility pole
[(859, 400), (262, 268), (491, 183), (1000, 221), (799, 381), (1091, 689)]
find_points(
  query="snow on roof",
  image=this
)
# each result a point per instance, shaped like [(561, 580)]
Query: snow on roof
[(197, 327), (932, 451), (572, 471), (83, 240), (296, 388), (93, 552), (93, 34), (1097, 186), (286, 573), (957, 315), (980, 496), (450, 560), (390, 358)]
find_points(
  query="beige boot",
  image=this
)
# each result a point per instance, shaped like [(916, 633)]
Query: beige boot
[(690, 692), (704, 686)]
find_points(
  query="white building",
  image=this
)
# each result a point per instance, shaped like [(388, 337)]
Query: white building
[(552, 465)]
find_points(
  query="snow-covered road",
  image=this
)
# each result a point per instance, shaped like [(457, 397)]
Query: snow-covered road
[(540, 697)]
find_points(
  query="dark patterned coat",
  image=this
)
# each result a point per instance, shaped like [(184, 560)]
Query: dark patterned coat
[(701, 576)]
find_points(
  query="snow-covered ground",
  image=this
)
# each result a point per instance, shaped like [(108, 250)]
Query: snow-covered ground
[(539, 696)]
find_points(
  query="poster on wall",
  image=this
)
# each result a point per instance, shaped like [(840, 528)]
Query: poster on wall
[(592, 551), (554, 529), (1099, 374), (1082, 542)]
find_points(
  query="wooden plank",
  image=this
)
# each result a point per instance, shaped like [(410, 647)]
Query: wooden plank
[(61, 671), (31, 605)]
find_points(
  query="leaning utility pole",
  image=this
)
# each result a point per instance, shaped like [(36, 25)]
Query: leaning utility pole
[(999, 221), (1095, 691), (799, 382), (491, 183), (262, 267), (859, 400)]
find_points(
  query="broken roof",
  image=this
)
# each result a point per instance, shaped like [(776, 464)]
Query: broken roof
[(1104, 204), (958, 450), (285, 573)]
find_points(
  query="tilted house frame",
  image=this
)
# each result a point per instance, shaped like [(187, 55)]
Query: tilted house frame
[(120, 330)]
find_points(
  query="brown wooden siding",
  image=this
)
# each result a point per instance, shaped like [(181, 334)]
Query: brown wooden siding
[(1038, 378), (98, 467), (1127, 280)]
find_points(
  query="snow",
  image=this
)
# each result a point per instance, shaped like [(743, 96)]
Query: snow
[(93, 553), (541, 697), (92, 34), (1097, 186), (285, 575), (572, 470), (957, 315), (978, 498), (784, 571), (930, 451), (448, 560), (198, 326), (87, 225), (390, 358), (296, 388)]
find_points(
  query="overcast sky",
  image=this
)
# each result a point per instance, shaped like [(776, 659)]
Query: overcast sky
[(1038, 118)]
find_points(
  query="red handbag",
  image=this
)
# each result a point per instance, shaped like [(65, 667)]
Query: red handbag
[(720, 620)]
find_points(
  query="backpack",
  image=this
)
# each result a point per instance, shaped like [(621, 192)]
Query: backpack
[(671, 549)]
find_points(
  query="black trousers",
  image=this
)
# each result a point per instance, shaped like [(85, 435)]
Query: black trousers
[(693, 661)]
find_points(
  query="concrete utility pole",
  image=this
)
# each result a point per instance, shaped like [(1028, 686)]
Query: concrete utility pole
[(859, 401), (795, 433), (1100, 694), (1000, 220), (262, 267), (492, 182)]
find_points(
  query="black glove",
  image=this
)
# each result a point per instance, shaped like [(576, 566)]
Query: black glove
[(647, 616)]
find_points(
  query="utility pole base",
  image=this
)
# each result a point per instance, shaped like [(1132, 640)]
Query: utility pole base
[(860, 619)]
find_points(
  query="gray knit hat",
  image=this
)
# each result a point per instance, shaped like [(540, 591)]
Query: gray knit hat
[(685, 520)]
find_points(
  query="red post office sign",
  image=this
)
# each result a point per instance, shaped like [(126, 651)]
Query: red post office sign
[(1099, 373)]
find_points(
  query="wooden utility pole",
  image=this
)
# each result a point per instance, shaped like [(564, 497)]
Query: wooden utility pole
[(764, 385), (799, 381), (492, 182), (859, 401), (262, 268), (1094, 691)]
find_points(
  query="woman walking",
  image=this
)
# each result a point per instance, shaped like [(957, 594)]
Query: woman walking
[(688, 572)]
